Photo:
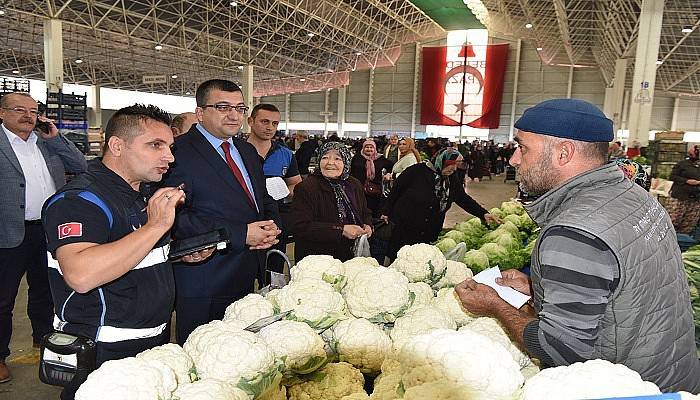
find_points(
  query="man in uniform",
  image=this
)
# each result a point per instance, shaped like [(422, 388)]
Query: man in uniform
[(33, 164), (110, 276)]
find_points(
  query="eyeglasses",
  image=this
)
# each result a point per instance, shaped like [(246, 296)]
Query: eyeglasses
[(227, 108), (22, 110)]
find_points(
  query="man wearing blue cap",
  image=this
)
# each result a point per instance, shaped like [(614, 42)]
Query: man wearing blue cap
[(607, 279)]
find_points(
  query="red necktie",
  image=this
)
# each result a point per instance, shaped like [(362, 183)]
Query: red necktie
[(236, 172)]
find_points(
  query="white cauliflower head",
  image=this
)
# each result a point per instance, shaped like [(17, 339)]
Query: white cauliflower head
[(239, 357), (312, 301), (129, 378), (423, 292), (449, 303), (593, 379), (249, 309), (332, 382), (322, 267), (198, 339), (421, 263), (424, 319), (174, 357), (456, 273), (299, 345), (493, 329), (379, 295), (464, 360), (360, 343), (358, 265), (207, 389)]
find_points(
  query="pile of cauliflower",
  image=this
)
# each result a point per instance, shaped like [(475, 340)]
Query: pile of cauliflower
[(356, 331)]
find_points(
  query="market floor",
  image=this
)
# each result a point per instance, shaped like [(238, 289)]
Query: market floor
[(23, 360)]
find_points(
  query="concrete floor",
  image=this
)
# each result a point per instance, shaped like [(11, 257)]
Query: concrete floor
[(23, 360)]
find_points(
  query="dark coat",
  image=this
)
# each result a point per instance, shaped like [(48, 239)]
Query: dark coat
[(414, 209), (304, 154), (682, 171), (358, 170), (315, 222)]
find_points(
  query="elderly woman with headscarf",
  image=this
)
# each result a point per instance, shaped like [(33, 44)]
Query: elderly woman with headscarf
[(366, 167), (329, 210), (420, 198)]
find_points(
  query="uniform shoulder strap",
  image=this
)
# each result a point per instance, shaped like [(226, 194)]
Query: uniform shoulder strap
[(87, 196)]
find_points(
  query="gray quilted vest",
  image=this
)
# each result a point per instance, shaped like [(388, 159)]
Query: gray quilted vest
[(648, 323)]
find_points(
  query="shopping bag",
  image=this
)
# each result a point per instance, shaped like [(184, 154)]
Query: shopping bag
[(361, 247)]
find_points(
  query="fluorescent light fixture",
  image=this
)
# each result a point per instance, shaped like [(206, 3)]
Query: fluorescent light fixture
[(15, 71), (158, 47), (188, 92), (2, 12), (539, 49), (310, 34), (359, 53), (240, 67), (174, 76), (659, 62), (687, 29), (302, 80), (233, 3), (78, 61), (528, 25)]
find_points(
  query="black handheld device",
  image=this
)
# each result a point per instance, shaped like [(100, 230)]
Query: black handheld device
[(182, 247)]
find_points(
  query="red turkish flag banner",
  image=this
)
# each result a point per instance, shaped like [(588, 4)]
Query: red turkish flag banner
[(464, 85)]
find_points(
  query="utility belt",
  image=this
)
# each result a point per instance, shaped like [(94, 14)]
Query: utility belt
[(67, 359)]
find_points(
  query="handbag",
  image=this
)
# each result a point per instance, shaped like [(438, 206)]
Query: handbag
[(372, 188)]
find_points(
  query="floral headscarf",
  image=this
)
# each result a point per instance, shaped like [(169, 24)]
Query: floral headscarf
[(634, 172), (344, 154), (444, 157), (442, 183), (347, 210)]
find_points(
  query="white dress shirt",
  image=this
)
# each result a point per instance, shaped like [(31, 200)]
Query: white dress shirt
[(38, 182)]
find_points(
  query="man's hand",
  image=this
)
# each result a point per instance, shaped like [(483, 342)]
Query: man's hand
[(353, 231), (262, 235), (385, 219), (161, 207), (492, 219), (516, 280), (693, 182), (478, 298), (198, 256), (53, 131)]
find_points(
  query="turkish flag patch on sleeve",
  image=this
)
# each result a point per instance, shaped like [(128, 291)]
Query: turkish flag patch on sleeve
[(70, 229)]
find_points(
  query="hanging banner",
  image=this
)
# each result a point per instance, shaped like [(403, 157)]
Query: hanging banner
[(463, 85)]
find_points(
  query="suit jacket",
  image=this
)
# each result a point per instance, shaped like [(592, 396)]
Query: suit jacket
[(60, 155), (216, 200)]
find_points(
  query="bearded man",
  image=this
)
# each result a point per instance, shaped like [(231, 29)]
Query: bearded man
[(607, 280)]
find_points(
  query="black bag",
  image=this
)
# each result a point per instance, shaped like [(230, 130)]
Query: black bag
[(372, 188)]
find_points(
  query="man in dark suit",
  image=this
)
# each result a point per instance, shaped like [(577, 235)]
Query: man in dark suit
[(32, 166), (225, 188)]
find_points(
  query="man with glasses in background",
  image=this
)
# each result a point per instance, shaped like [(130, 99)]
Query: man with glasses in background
[(225, 188), (33, 165)]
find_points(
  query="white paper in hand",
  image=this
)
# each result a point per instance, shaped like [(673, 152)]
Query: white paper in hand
[(277, 188), (510, 295)]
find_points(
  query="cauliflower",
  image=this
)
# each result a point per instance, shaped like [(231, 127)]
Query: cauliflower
[(356, 396), (457, 273), (461, 360), (371, 261), (198, 339), (249, 309), (379, 295), (312, 301), (421, 263), (235, 356), (423, 292), (322, 267), (493, 329), (129, 378), (422, 320), (449, 303), (299, 345), (207, 389), (476, 260), (174, 357), (332, 382), (386, 385), (439, 390), (593, 379), (360, 343), (357, 266)]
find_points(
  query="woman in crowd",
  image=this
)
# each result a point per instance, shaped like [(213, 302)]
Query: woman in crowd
[(420, 199), (477, 163), (408, 155), (366, 167), (329, 210)]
